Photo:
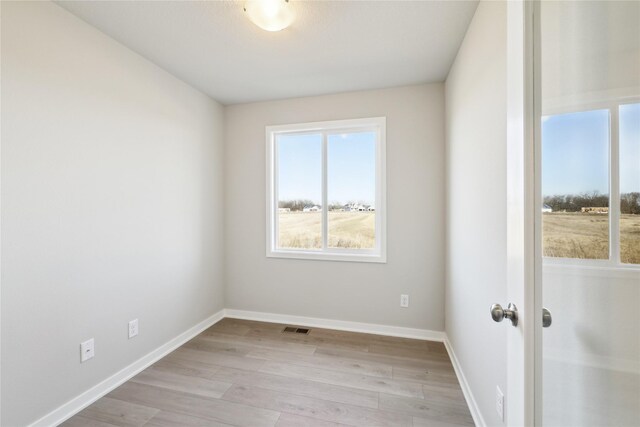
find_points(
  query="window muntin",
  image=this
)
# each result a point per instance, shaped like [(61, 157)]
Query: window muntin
[(335, 211)]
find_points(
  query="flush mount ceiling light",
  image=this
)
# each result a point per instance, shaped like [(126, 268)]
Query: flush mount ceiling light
[(270, 15)]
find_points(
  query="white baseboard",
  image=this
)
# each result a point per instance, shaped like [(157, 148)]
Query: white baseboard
[(466, 390), (341, 325), (83, 400)]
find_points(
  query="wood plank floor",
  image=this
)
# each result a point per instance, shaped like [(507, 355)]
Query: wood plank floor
[(246, 373)]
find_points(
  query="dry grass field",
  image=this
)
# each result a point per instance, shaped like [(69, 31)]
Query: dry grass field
[(355, 230), (581, 235), (565, 235)]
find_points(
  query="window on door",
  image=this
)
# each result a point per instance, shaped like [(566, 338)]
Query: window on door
[(591, 184), (326, 197)]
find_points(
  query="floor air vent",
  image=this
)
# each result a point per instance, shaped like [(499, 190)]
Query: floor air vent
[(294, 330)]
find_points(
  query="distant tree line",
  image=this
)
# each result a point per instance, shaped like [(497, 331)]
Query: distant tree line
[(629, 202), (295, 205)]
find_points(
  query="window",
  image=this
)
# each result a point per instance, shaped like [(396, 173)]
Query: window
[(326, 190), (630, 183), (591, 185)]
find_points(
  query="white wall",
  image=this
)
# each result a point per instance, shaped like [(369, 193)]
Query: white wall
[(589, 50), (362, 292), (111, 207), (476, 205)]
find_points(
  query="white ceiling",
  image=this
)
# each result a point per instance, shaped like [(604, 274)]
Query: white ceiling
[(333, 46)]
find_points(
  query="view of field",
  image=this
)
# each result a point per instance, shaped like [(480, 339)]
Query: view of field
[(354, 230), (584, 235), (565, 234)]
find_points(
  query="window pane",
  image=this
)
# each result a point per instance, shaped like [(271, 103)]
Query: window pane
[(351, 185), (299, 189), (575, 185), (630, 183)]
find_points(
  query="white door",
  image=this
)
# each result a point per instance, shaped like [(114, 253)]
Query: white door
[(587, 212), (519, 403), (574, 213)]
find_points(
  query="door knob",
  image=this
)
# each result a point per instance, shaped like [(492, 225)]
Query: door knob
[(546, 318), (511, 312)]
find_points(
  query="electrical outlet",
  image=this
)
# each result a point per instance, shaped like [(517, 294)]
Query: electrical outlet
[(87, 350), (500, 403), (404, 300), (133, 328)]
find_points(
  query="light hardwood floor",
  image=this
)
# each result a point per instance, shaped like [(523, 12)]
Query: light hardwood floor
[(246, 373)]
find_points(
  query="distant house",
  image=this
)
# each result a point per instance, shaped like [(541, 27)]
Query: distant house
[(284, 209), (312, 208), (546, 208), (356, 207), (595, 209)]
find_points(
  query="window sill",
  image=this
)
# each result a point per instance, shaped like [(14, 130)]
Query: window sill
[(328, 256)]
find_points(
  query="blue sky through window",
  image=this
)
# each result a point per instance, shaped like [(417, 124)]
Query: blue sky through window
[(630, 148), (350, 167), (575, 153), (300, 167)]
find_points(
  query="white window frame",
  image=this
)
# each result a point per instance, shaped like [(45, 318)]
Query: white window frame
[(613, 106), (379, 253)]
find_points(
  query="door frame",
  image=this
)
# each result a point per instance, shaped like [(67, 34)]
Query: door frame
[(522, 262)]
